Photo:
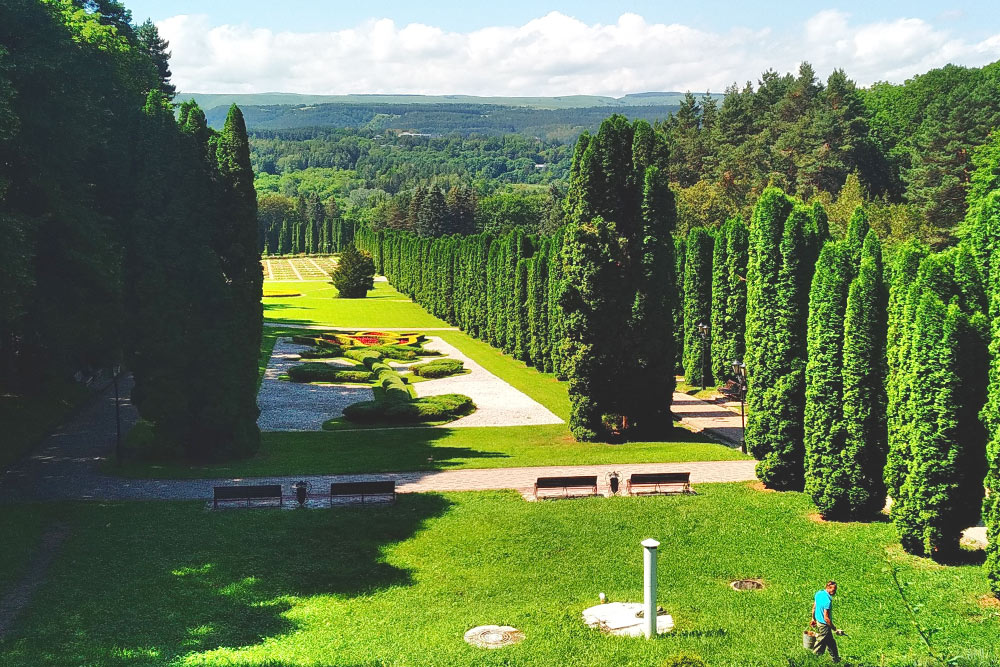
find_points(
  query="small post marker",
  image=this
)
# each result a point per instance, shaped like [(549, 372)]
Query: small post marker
[(649, 586)]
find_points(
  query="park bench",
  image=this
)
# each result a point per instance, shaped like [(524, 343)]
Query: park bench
[(587, 482), (659, 482), (381, 489), (247, 493)]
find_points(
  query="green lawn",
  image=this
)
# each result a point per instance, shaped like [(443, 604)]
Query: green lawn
[(173, 584), (403, 449), (383, 307)]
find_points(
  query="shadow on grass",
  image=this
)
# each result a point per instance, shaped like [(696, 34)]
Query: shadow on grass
[(147, 584)]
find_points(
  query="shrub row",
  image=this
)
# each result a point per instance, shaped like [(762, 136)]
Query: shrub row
[(320, 372)]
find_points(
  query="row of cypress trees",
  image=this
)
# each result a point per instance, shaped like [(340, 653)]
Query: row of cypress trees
[(502, 290), (306, 225)]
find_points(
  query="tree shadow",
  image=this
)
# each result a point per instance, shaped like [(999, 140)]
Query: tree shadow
[(149, 583)]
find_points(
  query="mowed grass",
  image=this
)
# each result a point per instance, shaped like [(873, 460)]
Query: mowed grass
[(174, 584), (405, 449), (383, 307)]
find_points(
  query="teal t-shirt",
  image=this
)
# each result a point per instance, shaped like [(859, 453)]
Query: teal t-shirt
[(823, 601)]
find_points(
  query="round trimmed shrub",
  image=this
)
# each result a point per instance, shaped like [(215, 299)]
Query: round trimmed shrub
[(438, 368)]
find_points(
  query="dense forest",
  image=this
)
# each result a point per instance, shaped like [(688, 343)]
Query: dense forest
[(129, 228), (905, 150)]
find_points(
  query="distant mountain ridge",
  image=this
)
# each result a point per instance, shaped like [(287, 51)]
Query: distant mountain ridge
[(210, 101)]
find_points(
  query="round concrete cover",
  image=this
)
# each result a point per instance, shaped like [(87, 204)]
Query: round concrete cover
[(493, 636)]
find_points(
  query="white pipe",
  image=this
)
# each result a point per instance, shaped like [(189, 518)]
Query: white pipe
[(649, 586)]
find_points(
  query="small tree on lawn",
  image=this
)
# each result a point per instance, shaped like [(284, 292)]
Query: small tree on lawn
[(354, 276)]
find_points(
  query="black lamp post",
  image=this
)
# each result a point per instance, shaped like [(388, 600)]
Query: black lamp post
[(703, 334), (740, 373), (115, 372)]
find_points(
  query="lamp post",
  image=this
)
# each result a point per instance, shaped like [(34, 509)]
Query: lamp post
[(703, 334), (115, 372), (740, 373)]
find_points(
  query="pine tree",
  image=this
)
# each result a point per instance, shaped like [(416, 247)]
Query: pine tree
[(156, 48), (697, 303)]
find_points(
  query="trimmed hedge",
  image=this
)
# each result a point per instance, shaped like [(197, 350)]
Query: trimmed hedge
[(320, 372), (323, 352), (438, 368), (431, 408), (365, 355)]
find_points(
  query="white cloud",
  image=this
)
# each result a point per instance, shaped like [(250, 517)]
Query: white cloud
[(551, 55)]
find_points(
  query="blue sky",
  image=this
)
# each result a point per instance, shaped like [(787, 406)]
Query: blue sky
[(971, 18), (517, 47)]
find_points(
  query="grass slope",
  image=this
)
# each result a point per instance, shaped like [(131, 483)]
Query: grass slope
[(171, 584), (383, 307)]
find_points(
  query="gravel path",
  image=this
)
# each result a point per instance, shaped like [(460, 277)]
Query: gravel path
[(294, 406), (497, 403)]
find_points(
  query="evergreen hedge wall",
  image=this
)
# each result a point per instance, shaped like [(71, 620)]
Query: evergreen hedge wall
[(517, 310)]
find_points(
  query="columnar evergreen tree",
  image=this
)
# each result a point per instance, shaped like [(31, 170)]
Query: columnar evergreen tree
[(677, 302), (697, 304), (779, 272), (937, 480), (824, 415), (231, 427), (616, 258), (729, 266), (864, 456)]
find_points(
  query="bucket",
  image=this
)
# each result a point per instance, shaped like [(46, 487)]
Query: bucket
[(808, 639)]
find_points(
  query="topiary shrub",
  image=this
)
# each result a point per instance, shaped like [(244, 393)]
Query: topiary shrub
[(429, 409), (323, 352), (684, 660), (367, 356), (397, 352), (354, 276), (319, 372), (438, 368)]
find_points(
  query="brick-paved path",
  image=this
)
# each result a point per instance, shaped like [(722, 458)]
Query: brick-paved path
[(66, 466)]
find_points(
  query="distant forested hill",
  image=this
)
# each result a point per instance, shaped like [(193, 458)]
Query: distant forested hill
[(212, 100), (438, 119)]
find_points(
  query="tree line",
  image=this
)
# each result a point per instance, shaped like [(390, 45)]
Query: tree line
[(868, 366), (134, 241)]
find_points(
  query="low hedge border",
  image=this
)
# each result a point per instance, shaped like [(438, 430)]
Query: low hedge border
[(320, 372), (443, 408), (438, 368)]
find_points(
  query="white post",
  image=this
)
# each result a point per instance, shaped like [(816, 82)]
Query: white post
[(649, 586)]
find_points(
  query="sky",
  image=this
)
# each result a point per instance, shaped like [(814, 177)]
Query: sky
[(517, 47)]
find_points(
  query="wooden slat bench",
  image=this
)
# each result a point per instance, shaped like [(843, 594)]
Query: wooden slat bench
[(659, 482), (384, 489), (247, 493), (588, 482)]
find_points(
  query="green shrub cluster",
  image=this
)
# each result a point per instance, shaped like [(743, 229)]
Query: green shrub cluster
[(445, 407), (320, 372), (355, 273), (503, 290), (438, 368)]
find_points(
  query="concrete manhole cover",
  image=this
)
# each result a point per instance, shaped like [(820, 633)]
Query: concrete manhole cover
[(747, 585), (493, 636)]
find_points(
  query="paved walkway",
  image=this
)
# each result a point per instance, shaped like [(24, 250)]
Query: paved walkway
[(715, 421), (68, 465)]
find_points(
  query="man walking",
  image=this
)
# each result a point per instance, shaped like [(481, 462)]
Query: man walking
[(822, 620)]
